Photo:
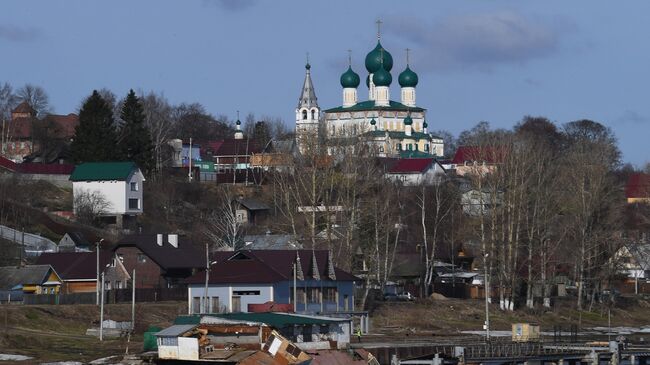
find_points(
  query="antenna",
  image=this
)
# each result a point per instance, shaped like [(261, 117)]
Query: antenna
[(350, 57), (379, 22), (237, 114)]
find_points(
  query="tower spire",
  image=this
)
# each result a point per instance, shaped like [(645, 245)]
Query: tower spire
[(408, 50), (349, 57), (379, 22)]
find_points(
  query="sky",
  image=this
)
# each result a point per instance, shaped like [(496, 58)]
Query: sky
[(494, 61)]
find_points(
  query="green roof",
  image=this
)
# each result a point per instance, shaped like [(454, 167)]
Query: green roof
[(414, 154), (370, 105), (273, 319), (398, 135), (97, 171)]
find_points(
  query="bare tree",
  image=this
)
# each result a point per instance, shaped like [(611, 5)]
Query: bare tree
[(223, 226), (89, 206), (36, 97), (160, 122)]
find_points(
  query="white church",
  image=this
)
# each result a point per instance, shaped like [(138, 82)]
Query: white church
[(385, 127)]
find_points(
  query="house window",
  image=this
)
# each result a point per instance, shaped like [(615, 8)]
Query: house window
[(107, 285), (313, 295), (426, 147), (300, 293), (381, 149), (313, 114), (118, 285), (142, 258), (134, 186), (214, 305), (169, 341), (196, 305), (245, 292), (329, 294), (134, 203)]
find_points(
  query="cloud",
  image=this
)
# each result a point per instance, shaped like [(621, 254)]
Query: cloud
[(632, 117), (480, 41), (17, 34), (231, 5)]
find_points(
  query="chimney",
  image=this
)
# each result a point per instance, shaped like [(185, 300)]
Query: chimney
[(159, 239), (173, 240)]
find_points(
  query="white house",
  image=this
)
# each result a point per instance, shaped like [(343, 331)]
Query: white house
[(416, 171), (119, 183)]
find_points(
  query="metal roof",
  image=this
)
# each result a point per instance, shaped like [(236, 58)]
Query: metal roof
[(176, 330)]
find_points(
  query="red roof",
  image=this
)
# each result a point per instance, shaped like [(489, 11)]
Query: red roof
[(266, 266), (638, 186), (64, 125), (24, 107), (488, 154), (36, 168), (76, 265), (233, 147), (411, 165)]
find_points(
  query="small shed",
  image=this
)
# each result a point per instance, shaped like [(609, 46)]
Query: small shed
[(525, 332), (173, 345)]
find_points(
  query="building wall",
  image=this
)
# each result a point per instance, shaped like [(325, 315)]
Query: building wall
[(117, 193), (225, 294), (148, 273), (72, 287), (344, 294)]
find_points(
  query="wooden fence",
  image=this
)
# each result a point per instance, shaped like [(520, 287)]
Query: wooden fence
[(110, 296)]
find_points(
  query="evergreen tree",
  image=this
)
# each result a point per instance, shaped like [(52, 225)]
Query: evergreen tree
[(95, 137), (135, 142)]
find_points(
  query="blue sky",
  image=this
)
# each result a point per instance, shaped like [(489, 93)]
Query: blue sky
[(477, 60)]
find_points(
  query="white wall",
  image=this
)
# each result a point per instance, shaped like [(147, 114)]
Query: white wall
[(117, 193), (225, 294), (188, 348)]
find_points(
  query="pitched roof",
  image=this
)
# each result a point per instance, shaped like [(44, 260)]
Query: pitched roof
[(268, 266), (185, 256), (12, 276), (411, 165), (271, 242), (76, 265), (641, 254), (370, 105), (78, 238), (24, 107), (638, 186), (233, 147), (64, 125), (307, 97), (98, 171), (489, 154), (273, 319), (36, 168), (252, 204)]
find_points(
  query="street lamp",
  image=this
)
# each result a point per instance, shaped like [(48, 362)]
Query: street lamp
[(97, 282), (486, 285)]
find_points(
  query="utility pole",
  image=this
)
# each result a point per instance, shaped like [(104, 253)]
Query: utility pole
[(101, 313), (486, 282), (133, 303), (207, 278), (295, 299), (189, 172)]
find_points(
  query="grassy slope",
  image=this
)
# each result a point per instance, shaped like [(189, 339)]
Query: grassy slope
[(56, 333), (450, 316)]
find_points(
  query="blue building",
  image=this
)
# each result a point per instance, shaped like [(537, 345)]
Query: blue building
[(237, 279)]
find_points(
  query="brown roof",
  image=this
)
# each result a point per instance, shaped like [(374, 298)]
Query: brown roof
[(24, 107), (76, 265), (268, 266), (235, 147), (166, 256), (638, 186), (64, 125)]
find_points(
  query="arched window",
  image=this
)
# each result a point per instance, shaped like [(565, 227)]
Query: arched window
[(410, 147), (416, 146), (304, 115), (313, 114)]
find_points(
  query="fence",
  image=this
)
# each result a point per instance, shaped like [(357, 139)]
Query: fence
[(33, 244), (110, 296), (146, 295)]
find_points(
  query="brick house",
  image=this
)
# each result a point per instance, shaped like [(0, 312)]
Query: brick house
[(160, 260)]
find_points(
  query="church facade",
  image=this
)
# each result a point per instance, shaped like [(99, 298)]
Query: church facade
[(383, 127)]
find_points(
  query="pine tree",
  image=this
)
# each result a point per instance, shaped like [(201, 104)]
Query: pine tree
[(135, 143), (95, 137)]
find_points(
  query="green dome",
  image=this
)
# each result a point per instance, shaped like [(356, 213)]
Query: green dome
[(408, 120), (382, 77), (350, 79), (238, 122), (408, 78), (374, 59), (307, 66), (372, 121)]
